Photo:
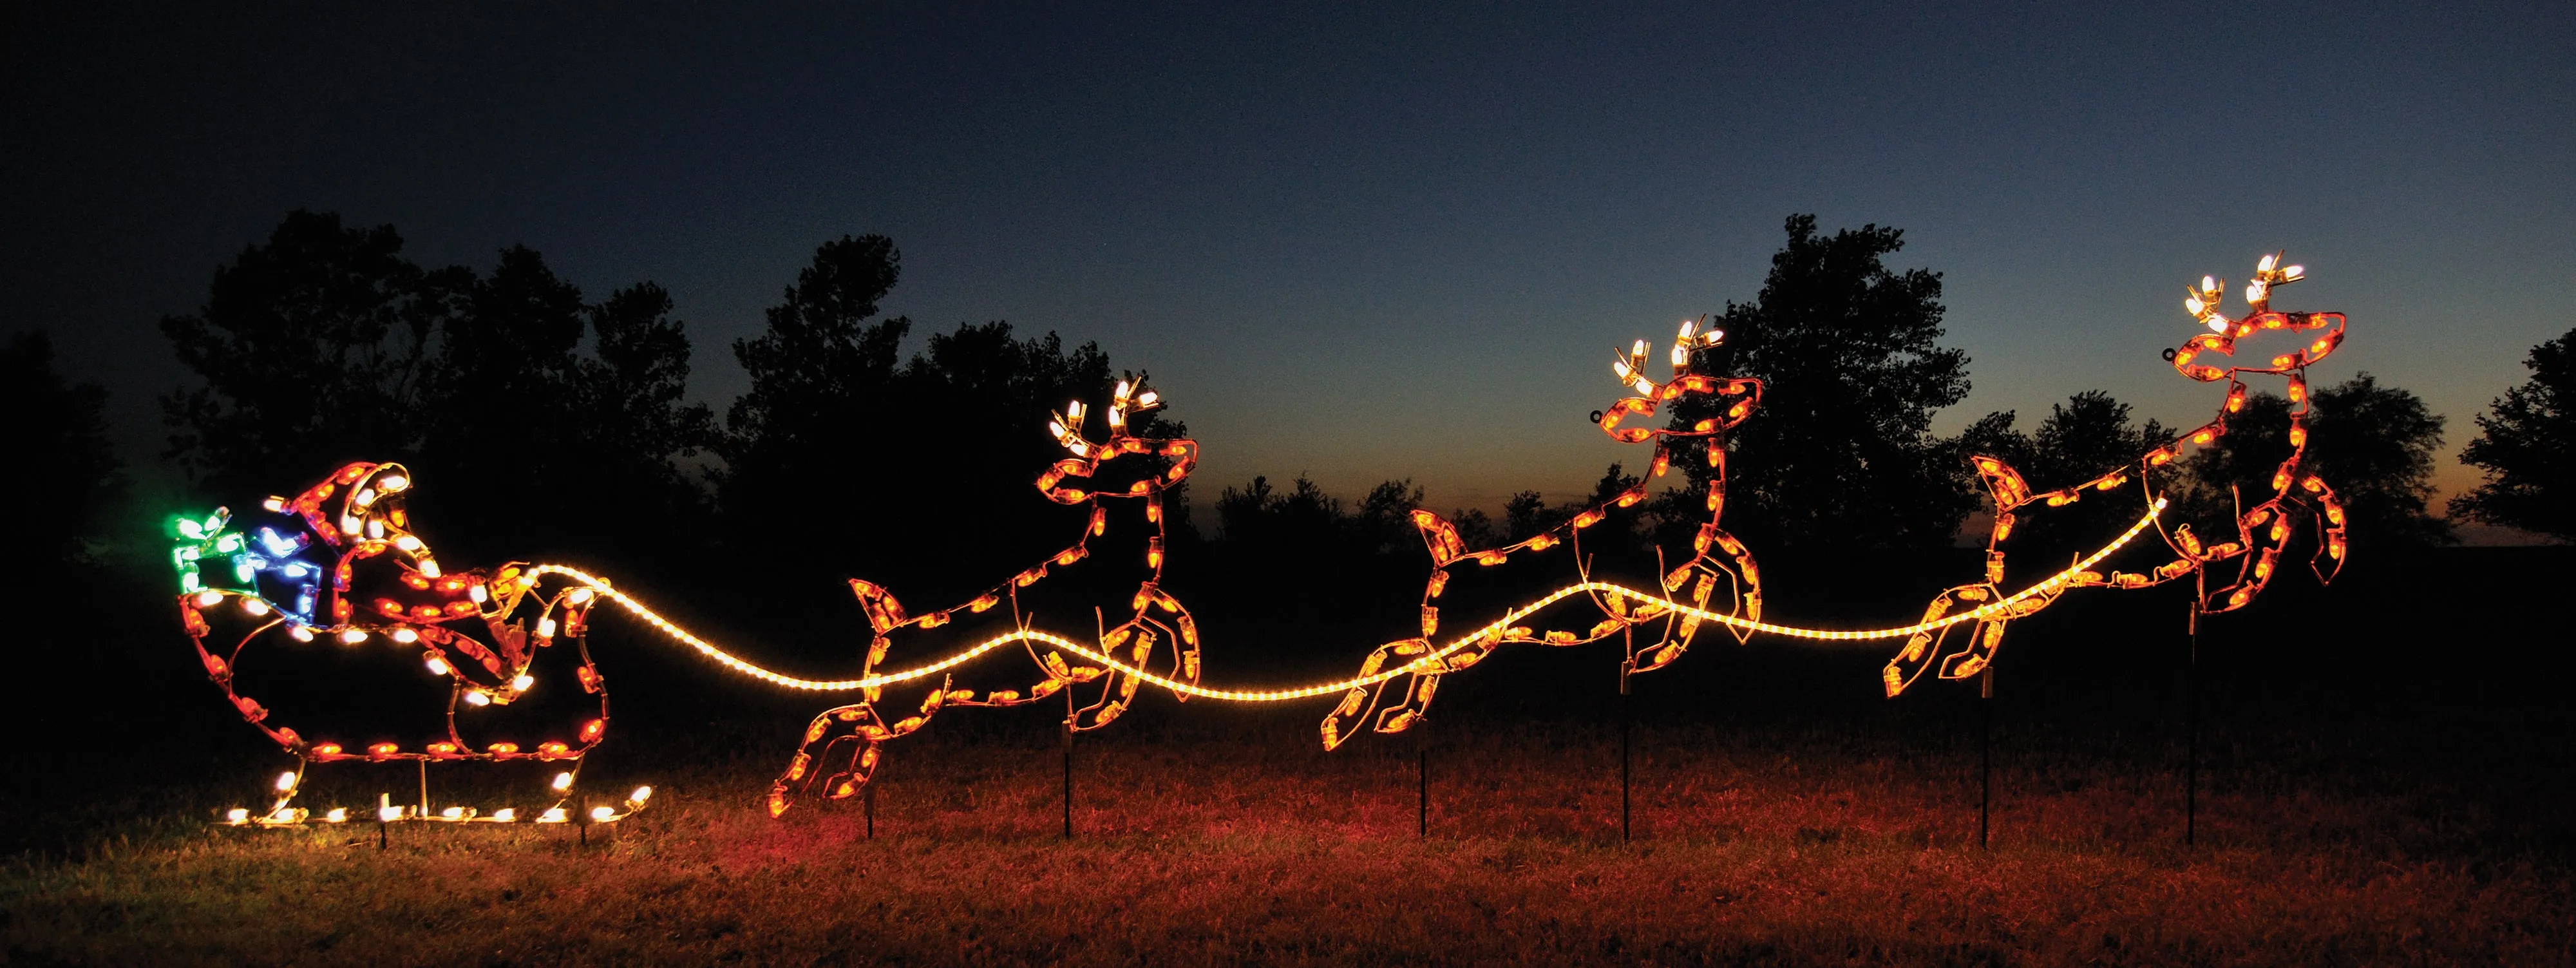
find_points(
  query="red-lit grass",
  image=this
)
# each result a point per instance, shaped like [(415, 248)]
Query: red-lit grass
[(1229, 839)]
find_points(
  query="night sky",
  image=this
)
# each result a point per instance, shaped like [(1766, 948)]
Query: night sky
[(1360, 243)]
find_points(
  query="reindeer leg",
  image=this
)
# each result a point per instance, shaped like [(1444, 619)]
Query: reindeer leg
[(1744, 599), (1983, 640), (1363, 703), (860, 731), (1924, 647), (827, 731), (1134, 643), (2266, 530), (1185, 652), (2330, 525)]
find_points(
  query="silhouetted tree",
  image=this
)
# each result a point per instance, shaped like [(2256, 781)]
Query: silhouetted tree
[(501, 389), (2527, 447), (843, 460), (1383, 524), (972, 430), (63, 472), (1304, 523), (631, 396), (312, 349), (326, 346), (2374, 445), (1525, 514), (820, 403), (1475, 527), (1841, 454)]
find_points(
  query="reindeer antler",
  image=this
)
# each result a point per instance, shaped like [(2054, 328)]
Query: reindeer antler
[(1130, 397), (2202, 303), (1630, 370)]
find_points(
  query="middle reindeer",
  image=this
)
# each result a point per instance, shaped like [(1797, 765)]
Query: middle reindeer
[(1716, 556)]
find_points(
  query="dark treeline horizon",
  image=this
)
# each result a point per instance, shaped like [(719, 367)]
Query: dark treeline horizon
[(546, 423)]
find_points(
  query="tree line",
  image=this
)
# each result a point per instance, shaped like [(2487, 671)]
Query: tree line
[(546, 423)]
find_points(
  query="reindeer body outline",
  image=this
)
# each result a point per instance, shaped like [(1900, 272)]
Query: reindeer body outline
[(2262, 532), (1387, 707), (843, 746)]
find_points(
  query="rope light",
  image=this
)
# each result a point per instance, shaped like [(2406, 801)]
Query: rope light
[(1192, 689)]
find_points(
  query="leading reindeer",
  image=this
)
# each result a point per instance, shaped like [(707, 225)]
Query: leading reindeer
[(2263, 531)]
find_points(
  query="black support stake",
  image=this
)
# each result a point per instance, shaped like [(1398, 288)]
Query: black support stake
[(2191, 729), (869, 807), (1422, 789), (1068, 781), (1985, 755), (1623, 754)]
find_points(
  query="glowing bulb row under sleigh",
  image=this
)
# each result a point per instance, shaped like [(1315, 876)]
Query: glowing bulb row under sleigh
[(842, 748)]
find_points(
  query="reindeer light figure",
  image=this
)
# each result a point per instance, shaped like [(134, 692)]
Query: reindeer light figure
[(1394, 705), (338, 569), (843, 746), (2262, 532)]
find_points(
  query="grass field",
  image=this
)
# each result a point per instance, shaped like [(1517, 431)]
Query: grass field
[(2351, 812)]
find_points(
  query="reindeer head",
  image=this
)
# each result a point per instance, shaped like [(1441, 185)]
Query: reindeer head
[(1630, 369), (2203, 303), (1127, 401)]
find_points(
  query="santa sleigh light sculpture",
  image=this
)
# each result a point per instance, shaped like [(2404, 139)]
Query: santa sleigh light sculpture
[(300, 592)]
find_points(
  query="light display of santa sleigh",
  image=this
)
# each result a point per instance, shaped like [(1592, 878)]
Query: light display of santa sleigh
[(329, 607), (320, 592)]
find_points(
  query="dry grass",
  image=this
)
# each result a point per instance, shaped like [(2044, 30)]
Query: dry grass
[(1227, 839)]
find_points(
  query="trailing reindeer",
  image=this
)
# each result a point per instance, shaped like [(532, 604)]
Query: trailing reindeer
[(843, 746)]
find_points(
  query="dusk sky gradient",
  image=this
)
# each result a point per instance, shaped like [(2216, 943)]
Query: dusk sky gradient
[(1363, 242)]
